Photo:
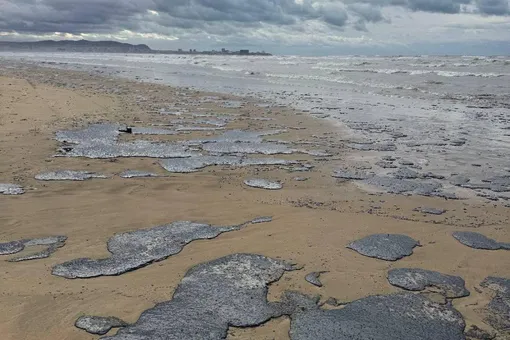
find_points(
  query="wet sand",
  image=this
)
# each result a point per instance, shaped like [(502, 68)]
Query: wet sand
[(312, 223)]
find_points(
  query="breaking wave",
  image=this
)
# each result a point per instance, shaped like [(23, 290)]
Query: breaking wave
[(227, 68), (413, 72), (341, 80)]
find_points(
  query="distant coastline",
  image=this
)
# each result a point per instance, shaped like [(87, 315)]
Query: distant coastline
[(86, 46)]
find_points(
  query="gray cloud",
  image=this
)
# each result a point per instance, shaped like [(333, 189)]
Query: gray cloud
[(493, 7), (333, 13), (437, 6), (365, 13), (77, 16), (215, 17), (276, 12), (68, 16)]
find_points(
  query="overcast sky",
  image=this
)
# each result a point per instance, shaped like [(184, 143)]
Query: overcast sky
[(310, 27)]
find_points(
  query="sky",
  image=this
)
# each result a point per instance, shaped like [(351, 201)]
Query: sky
[(305, 27)]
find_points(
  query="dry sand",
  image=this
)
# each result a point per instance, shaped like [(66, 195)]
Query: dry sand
[(313, 220)]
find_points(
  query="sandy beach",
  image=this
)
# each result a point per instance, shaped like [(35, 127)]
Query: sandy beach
[(313, 220)]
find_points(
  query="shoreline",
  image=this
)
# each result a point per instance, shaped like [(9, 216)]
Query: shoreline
[(424, 126), (321, 215)]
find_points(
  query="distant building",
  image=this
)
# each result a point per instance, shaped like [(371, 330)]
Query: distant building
[(223, 50), (244, 52), (180, 50)]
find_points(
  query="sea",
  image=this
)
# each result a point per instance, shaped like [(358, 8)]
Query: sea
[(445, 114)]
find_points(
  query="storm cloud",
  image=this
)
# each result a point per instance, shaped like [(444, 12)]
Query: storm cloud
[(68, 16), (437, 6), (493, 7), (77, 16), (279, 21), (366, 13)]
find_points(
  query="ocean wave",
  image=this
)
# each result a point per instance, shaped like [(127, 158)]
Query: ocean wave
[(341, 64), (331, 65), (420, 72), (340, 80), (304, 77), (469, 74), (227, 68), (362, 70), (441, 73), (456, 74), (428, 65)]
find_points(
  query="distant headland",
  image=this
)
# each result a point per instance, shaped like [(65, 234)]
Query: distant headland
[(86, 46)]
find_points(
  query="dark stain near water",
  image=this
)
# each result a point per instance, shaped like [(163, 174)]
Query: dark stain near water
[(136, 249), (351, 174), (247, 148), (402, 316), (137, 174), (314, 278), (139, 148), (193, 164), (404, 181), (386, 164), (101, 141), (406, 173), (213, 296), (401, 186), (262, 183), (388, 247), (498, 284), (99, 325), (232, 292), (67, 175), (498, 310), (53, 243), (479, 241), (373, 146), (11, 189), (152, 131), (415, 279), (430, 211)]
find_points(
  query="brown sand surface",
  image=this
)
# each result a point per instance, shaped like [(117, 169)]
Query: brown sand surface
[(313, 220)]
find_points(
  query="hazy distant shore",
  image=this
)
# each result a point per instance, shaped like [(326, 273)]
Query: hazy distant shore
[(85, 46)]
